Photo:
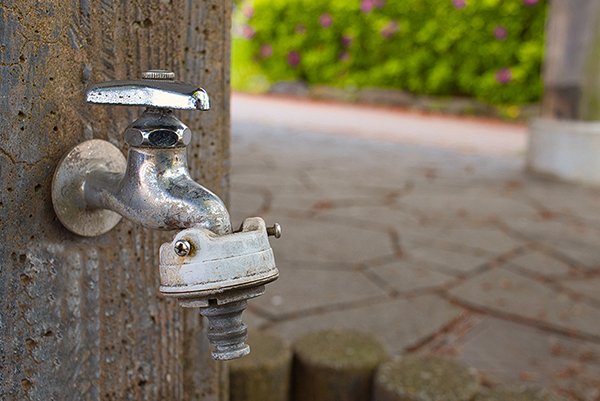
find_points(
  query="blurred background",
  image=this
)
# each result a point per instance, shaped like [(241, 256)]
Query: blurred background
[(489, 50), (433, 164)]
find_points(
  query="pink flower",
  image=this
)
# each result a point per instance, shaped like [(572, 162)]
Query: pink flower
[(248, 32), (367, 5), (344, 56), (503, 76), (459, 3), (325, 20), (266, 51), (530, 2), (390, 29), (300, 29), (500, 32), (293, 58), (248, 12), (346, 40)]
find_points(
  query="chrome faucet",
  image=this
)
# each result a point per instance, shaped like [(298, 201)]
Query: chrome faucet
[(207, 265)]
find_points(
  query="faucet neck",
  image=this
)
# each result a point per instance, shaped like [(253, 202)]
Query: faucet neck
[(160, 162), (156, 189)]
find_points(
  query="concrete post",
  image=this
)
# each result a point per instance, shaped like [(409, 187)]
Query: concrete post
[(424, 378), (335, 365), (82, 319), (565, 142), (264, 375)]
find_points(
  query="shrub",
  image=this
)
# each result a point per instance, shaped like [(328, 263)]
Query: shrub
[(488, 49)]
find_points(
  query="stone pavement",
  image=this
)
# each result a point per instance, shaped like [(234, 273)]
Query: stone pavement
[(442, 245)]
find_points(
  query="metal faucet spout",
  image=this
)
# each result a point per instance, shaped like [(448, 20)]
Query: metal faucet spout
[(157, 192), (206, 266)]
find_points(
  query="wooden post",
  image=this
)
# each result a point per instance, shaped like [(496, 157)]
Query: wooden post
[(82, 319)]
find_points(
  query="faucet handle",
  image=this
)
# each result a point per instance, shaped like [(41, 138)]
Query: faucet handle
[(157, 88)]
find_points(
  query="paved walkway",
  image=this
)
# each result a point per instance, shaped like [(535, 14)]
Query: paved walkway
[(435, 241)]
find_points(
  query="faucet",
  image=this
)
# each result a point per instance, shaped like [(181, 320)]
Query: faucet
[(207, 265)]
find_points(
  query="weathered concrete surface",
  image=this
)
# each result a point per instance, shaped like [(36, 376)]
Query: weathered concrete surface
[(82, 318), (265, 374), (453, 240), (424, 378), (335, 365)]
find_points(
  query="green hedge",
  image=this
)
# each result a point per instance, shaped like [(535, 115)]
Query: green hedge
[(488, 49)]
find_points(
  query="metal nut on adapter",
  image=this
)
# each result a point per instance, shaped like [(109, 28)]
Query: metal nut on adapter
[(182, 247)]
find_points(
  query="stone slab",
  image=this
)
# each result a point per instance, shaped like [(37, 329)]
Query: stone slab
[(305, 240), (486, 238), (325, 201), (539, 263), (507, 292), (246, 202), (445, 207), (567, 199), (589, 287), (518, 354), (383, 216), (516, 394), (479, 203), (398, 324), (449, 259), (406, 275), (298, 291), (573, 239)]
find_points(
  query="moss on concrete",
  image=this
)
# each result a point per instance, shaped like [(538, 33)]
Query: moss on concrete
[(424, 378), (340, 350), (264, 375), (335, 365)]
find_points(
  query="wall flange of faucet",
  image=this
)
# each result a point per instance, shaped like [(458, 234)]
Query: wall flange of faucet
[(68, 185)]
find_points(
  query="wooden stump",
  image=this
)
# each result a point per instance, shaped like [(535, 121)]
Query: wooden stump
[(335, 366), (264, 375)]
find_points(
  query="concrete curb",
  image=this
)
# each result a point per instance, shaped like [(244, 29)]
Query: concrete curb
[(462, 106), (567, 150)]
